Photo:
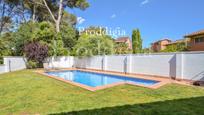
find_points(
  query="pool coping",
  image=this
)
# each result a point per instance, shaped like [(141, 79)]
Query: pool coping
[(161, 81)]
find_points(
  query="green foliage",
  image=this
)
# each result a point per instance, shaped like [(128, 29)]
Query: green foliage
[(81, 4), (32, 64), (136, 41), (1, 60), (121, 48), (146, 50), (46, 33), (57, 47), (69, 36), (23, 36), (178, 47), (43, 32), (68, 19), (88, 45), (4, 46)]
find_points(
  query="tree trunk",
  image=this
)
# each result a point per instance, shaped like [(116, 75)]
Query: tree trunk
[(34, 11), (57, 24), (2, 15), (58, 20), (59, 16)]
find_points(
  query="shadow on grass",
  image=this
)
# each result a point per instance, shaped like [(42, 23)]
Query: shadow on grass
[(190, 106)]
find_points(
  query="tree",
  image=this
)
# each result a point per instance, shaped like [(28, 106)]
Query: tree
[(89, 45), (69, 36), (8, 8), (178, 47), (47, 34), (68, 20), (37, 11), (15, 12), (121, 48), (136, 41), (43, 32), (22, 36), (57, 18), (4, 49)]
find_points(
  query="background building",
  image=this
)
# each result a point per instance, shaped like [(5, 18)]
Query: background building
[(160, 45), (124, 40), (196, 41)]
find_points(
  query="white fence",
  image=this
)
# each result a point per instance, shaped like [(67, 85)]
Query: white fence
[(189, 65), (2, 68), (60, 62), (12, 64)]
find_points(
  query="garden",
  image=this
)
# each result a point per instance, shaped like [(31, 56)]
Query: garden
[(38, 29), (26, 92)]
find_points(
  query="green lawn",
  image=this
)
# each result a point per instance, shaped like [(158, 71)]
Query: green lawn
[(25, 92)]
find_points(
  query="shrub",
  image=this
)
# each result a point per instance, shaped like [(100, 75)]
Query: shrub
[(36, 52), (179, 47), (121, 48), (1, 60), (32, 64)]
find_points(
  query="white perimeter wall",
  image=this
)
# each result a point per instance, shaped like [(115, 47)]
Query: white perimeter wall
[(60, 62), (193, 66), (2, 68), (188, 65), (115, 63), (95, 62), (154, 64), (13, 64)]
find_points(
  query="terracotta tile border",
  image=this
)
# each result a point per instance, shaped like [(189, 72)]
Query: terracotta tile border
[(161, 81)]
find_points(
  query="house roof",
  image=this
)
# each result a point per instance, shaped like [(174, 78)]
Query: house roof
[(122, 39), (165, 39), (195, 33), (177, 41)]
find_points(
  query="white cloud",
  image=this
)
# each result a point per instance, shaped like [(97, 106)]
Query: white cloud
[(80, 20), (113, 16), (144, 2)]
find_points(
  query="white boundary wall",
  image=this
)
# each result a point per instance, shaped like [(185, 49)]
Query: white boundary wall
[(60, 62), (192, 66), (12, 64), (95, 62), (188, 65), (2, 68)]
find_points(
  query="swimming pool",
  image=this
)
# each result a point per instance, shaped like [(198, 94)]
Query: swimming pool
[(93, 80)]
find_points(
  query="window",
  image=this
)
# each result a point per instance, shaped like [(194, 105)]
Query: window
[(198, 40)]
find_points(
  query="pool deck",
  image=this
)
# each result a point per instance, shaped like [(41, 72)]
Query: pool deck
[(161, 80)]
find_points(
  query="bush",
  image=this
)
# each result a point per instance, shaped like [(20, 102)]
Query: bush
[(32, 64), (179, 47), (36, 52), (121, 48), (1, 60)]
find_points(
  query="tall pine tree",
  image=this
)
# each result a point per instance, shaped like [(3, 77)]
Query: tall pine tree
[(136, 41)]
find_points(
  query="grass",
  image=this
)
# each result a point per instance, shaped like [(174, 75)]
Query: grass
[(25, 92)]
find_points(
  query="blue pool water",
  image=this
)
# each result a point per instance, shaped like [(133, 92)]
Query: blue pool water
[(97, 79)]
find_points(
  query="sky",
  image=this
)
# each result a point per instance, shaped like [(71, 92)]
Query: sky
[(156, 19)]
